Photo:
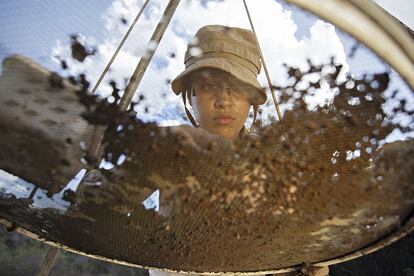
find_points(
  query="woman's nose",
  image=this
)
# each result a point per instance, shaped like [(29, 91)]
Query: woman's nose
[(223, 99)]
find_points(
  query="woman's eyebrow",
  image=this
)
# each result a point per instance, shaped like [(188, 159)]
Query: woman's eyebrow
[(208, 80), (236, 83)]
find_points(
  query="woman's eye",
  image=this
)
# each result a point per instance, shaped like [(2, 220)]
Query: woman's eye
[(234, 89), (210, 87)]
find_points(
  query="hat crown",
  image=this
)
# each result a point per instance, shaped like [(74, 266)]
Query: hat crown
[(218, 39), (229, 49), (224, 33)]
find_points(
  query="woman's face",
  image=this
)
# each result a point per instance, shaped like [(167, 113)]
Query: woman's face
[(220, 102)]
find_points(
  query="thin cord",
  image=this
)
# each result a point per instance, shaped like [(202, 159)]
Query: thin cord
[(143, 64), (138, 73), (264, 65), (118, 48), (48, 262)]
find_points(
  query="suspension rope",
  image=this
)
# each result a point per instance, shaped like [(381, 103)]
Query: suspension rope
[(138, 73), (279, 114), (48, 262), (145, 60), (121, 44)]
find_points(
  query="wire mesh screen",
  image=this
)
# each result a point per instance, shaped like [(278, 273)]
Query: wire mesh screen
[(143, 187)]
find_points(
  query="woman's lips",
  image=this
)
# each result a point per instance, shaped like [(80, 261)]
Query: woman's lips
[(224, 119)]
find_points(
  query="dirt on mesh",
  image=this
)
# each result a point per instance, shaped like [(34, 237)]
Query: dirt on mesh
[(313, 187)]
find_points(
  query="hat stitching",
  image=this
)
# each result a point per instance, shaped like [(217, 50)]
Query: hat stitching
[(227, 48), (241, 61)]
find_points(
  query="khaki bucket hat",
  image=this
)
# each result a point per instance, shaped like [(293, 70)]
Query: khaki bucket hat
[(233, 50)]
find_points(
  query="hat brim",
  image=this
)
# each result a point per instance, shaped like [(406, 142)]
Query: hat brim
[(235, 69)]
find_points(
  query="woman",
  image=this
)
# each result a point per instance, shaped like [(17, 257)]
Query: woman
[(220, 83), (221, 86)]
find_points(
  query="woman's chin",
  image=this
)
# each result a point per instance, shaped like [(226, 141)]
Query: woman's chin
[(227, 133)]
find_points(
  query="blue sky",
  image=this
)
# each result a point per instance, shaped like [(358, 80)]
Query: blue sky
[(40, 29), (31, 27)]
